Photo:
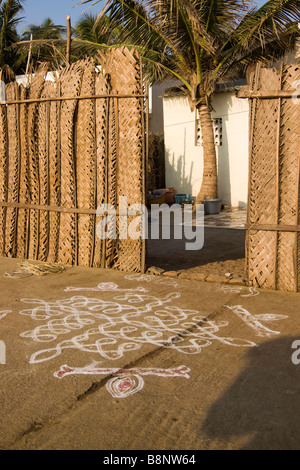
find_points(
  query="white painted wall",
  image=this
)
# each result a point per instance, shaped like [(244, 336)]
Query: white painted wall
[(25, 79), (184, 159), (156, 113)]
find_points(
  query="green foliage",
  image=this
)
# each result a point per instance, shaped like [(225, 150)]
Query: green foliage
[(45, 45), (92, 31), (47, 30), (9, 19), (203, 42), (49, 40)]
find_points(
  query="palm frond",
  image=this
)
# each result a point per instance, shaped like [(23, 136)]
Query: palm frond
[(203, 41), (9, 18), (47, 30), (271, 20)]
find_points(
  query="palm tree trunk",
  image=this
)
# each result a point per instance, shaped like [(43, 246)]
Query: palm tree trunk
[(209, 186)]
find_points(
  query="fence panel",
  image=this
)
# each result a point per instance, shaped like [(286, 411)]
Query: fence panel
[(68, 144), (273, 225)]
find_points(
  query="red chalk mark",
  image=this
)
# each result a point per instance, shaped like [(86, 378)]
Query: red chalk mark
[(3, 313)]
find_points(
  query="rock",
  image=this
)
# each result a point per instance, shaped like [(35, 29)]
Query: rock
[(238, 281), (154, 270), (217, 278), (171, 273), (228, 275), (193, 276)]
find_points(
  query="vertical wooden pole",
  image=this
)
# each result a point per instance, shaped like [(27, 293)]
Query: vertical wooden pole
[(278, 179), (252, 116), (29, 55), (58, 197), (145, 156), (92, 259), (48, 131), (108, 124), (69, 36), (4, 172), (297, 235), (18, 113)]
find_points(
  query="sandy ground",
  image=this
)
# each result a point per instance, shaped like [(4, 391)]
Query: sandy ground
[(153, 363), (223, 253)]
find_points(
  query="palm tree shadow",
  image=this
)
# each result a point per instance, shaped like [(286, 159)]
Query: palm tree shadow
[(262, 402)]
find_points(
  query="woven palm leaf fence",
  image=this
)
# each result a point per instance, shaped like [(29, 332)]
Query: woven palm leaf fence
[(68, 145), (273, 225)]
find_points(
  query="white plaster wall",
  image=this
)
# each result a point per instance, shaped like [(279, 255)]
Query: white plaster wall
[(184, 159), (156, 118), (156, 113)]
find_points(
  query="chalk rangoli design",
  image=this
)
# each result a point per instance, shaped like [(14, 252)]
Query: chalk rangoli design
[(131, 320), (105, 287), (140, 277), (254, 321), (3, 313), (166, 281), (122, 325), (122, 387), (124, 382), (253, 292)]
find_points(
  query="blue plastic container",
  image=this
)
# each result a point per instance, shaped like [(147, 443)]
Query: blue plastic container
[(179, 198)]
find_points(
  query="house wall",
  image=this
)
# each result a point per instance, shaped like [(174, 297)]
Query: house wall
[(156, 114), (184, 159)]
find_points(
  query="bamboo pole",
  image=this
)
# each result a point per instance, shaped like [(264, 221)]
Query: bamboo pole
[(266, 94), (272, 227), (297, 241), (2, 90), (69, 39), (278, 177), (145, 153), (253, 109), (108, 141), (70, 98), (29, 55), (62, 209)]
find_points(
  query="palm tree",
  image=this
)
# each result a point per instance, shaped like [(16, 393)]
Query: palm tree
[(89, 33), (98, 32), (42, 41), (9, 19), (202, 43), (46, 30), (47, 41)]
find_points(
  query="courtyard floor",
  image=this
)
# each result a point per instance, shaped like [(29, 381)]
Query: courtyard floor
[(103, 360), (222, 258)]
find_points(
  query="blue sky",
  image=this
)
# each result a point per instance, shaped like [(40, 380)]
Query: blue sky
[(35, 11)]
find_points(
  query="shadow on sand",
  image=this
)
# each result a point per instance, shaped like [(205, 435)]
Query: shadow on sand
[(219, 245), (263, 402)]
